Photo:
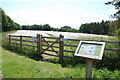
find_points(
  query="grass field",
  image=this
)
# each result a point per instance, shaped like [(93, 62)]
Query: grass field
[(15, 65)]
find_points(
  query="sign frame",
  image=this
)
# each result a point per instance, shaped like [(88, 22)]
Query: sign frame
[(90, 43)]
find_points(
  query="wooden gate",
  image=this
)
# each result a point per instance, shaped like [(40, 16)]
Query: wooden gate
[(57, 45)]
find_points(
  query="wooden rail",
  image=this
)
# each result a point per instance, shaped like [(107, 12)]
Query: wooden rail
[(59, 41)]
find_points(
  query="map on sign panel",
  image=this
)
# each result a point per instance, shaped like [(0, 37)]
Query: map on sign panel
[(87, 49), (90, 49)]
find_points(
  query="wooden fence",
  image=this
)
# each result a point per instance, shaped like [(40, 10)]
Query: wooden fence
[(43, 44)]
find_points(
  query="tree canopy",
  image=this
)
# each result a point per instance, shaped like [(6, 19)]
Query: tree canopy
[(115, 25), (115, 3), (95, 28), (7, 23)]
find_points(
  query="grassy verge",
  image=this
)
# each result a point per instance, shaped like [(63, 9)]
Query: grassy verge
[(14, 65)]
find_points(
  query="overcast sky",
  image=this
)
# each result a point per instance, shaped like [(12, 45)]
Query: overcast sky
[(57, 13)]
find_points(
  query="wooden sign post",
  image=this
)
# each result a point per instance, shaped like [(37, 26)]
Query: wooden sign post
[(90, 50), (89, 63)]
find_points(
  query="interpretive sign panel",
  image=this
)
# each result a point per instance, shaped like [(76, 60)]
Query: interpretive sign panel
[(90, 49)]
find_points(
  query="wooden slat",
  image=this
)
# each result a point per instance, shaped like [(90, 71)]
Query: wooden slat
[(71, 45), (29, 45), (51, 37), (57, 55), (22, 36), (51, 50), (69, 51), (49, 46), (24, 44), (113, 49), (51, 54), (115, 42), (27, 41), (22, 40), (50, 41), (15, 43), (73, 39), (16, 39)]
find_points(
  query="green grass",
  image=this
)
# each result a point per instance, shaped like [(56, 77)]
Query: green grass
[(16, 66)]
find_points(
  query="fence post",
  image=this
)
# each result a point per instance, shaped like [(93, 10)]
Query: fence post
[(61, 48), (20, 41), (89, 63), (10, 42), (9, 39), (39, 44)]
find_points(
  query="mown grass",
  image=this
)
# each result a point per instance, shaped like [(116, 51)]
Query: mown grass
[(24, 61), (16, 66)]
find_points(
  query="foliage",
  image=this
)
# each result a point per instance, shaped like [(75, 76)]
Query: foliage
[(116, 3), (7, 23), (95, 28), (67, 29), (47, 27), (116, 24), (113, 26), (118, 34)]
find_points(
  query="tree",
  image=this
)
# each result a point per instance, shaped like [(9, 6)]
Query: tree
[(116, 3), (46, 27), (116, 24), (7, 23), (68, 29), (95, 28)]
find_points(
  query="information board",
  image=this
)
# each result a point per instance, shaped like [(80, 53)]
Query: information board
[(90, 49)]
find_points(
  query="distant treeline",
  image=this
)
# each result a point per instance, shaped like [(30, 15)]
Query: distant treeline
[(103, 27), (95, 28), (47, 27)]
